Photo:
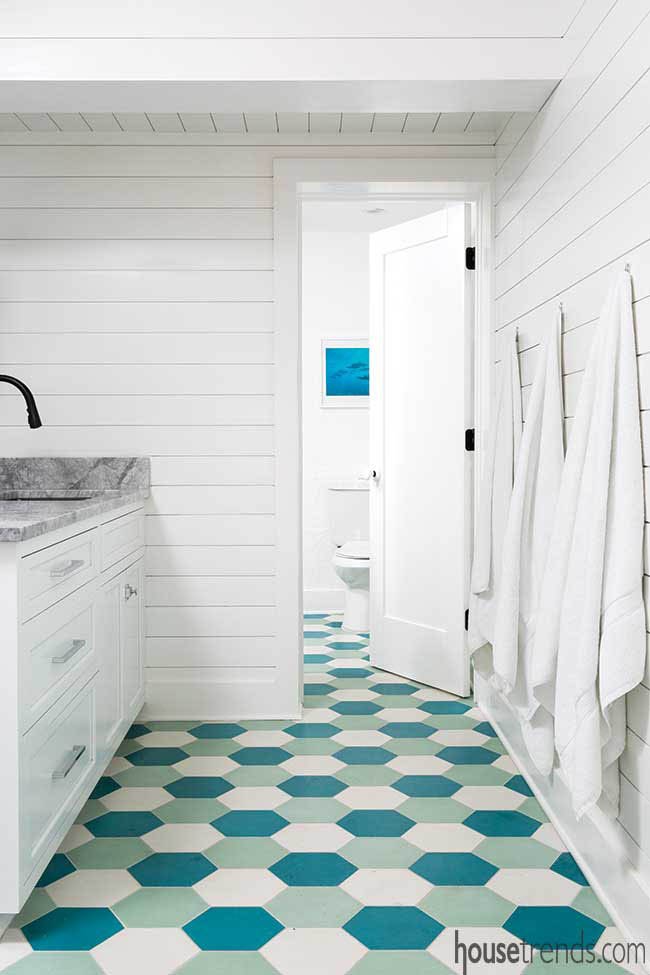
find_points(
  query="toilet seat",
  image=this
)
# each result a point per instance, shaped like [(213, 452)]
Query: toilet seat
[(359, 550)]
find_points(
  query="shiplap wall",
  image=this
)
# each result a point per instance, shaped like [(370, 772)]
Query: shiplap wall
[(572, 207), (136, 300)]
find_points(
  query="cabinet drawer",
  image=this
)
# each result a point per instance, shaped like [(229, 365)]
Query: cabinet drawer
[(121, 538), (57, 647), (57, 762), (52, 573)]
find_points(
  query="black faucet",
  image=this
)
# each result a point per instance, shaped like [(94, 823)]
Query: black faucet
[(33, 417)]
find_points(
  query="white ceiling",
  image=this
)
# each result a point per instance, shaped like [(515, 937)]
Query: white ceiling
[(453, 127), (291, 18), (353, 216)]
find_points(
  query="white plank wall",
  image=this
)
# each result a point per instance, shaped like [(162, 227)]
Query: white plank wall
[(572, 207), (136, 300)]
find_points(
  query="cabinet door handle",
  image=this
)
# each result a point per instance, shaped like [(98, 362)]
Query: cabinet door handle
[(64, 770), (73, 649), (65, 568), (129, 591)]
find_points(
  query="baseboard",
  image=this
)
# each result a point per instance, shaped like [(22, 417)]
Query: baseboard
[(177, 694), (324, 600), (597, 850)]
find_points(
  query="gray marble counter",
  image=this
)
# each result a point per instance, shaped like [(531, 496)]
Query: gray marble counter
[(42, 494)]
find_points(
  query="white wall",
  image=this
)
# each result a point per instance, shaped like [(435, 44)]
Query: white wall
[(335, 441), (136, 299), (573, 205)]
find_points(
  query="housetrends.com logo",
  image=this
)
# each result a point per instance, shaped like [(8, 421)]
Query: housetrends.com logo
[(519, 952)]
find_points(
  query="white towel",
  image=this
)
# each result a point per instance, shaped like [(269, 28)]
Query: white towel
[(529, 527), (496, 489), (591, 615)]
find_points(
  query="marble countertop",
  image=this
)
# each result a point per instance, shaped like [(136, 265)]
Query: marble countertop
[(40, 495)]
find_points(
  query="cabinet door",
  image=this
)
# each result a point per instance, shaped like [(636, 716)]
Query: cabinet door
[(131, 628), (109, 686)]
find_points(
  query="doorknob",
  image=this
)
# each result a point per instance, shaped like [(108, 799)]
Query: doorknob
[(370, 476)]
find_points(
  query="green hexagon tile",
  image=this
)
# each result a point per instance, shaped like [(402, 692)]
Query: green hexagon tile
[(356, 840)]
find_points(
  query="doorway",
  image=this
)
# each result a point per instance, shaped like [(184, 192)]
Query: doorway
[(428, 209)]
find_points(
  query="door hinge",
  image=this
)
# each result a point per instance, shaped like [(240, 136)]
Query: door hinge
[(470, 258), (467, 619), (469, 439)]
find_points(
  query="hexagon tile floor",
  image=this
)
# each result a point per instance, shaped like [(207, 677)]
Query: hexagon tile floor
[(359, 839)]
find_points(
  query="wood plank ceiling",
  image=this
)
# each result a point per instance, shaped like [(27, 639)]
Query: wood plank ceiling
[(458, 127)]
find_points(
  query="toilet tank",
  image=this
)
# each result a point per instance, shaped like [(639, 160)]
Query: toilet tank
[(348, 512)]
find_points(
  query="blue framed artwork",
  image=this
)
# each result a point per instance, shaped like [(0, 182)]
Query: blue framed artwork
[(346, 373)]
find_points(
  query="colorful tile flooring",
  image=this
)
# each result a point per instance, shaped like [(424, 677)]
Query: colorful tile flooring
[(360, 839)]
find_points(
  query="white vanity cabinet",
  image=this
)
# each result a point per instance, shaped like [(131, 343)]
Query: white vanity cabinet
[(120, 622), (72, 645)]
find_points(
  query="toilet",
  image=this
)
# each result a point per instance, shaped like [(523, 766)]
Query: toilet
[(349, 530)]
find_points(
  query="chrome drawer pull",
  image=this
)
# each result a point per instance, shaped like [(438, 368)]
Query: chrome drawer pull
[(65, 568), (129, 591), (64, 770), (73, 649)]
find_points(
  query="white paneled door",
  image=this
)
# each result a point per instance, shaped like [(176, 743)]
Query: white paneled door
[(420, 401)]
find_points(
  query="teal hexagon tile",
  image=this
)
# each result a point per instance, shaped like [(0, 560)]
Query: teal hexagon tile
[(454, 869), (380, 852), (250, 822), (232, 928), (159, 907), (71, 929), (55, 963), (517, 783), (313, 869), (502, 822), (245, 852), (313, 907), (190, 810), (554, 926), (104, 787), (38, 903), (404, 962), (376, 822), (305, 810), (567, 867), (367, 775), (227, 963), (257, 775), (171, 870), (516, 852), (121, 823), (109, 853), (587, 903), (435, 810), (478, 775), (399, 928), (146, 776), (467, 907), (58, 867)]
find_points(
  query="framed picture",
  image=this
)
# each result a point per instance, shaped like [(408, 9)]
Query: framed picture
[(346, 373)]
